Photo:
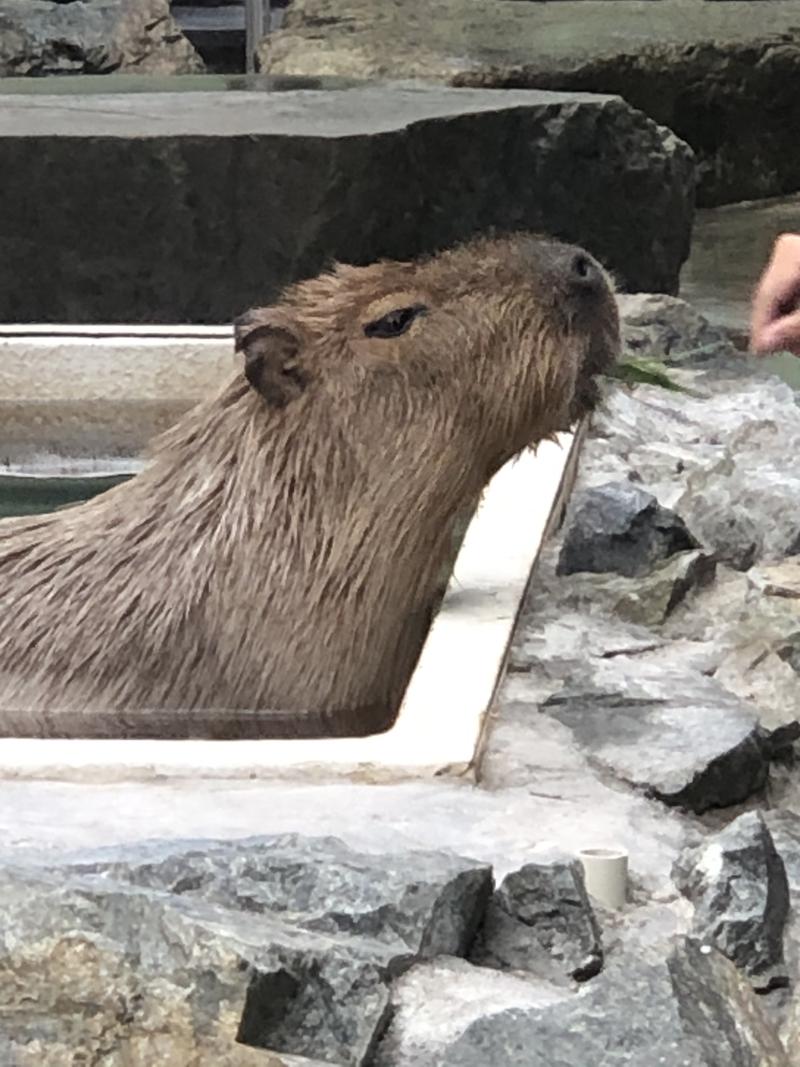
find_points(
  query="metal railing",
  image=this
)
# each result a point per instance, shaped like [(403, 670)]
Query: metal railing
[(254, 23)]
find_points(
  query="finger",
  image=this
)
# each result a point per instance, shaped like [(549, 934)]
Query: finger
[(763, 314), (782, 335), (778, 289)]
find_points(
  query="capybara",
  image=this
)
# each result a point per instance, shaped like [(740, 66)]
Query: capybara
[(272, 570)]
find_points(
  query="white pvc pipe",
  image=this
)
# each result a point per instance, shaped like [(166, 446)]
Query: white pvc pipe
[(605, 872)]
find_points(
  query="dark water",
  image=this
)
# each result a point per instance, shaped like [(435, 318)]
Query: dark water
[(24, 495)]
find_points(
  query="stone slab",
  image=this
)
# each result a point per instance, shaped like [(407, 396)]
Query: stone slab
[(205, 204)]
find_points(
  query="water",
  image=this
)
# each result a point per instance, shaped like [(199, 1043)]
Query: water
[(34, 495)]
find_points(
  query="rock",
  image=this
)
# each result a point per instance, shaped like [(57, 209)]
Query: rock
[(759, 674), (751, 639), (540, 920), (691, 1009), (778, 580), (716, 74), (435, 1002), (647, 601), (660, 592), (169, 953), (738, 885), (38, 38), (784, 827), (676, 735), (561, 641), (665, 328), (621, 528), (744, 514), (716, 455), (285, 181)]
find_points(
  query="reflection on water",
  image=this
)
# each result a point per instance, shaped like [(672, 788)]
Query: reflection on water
[(23, 495), (730, 247)]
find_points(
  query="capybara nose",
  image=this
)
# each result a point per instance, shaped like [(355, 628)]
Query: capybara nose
[(584, 275), (573, 270)]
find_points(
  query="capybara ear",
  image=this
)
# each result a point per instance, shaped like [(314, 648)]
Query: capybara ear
[(271, 363)]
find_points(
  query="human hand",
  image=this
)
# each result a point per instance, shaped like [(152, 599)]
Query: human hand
[(775, 318)]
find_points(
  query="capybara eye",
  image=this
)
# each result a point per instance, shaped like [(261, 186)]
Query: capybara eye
[(395, 323)]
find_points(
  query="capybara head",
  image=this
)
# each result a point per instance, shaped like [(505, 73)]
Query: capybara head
[(508, 333), (273, 569)]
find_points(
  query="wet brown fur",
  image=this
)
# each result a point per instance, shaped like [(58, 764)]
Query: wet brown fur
[(282, 548)]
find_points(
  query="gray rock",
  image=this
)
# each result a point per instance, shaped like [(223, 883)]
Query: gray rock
[(619, 527), (784, 828), (670, 330), (675, 734), (540, 920), (716, 455), (691, 1009), (558, 642), (434, 1002), (645, 601), (170, 953), (660, 593), (38, 38), (738, 885), (283, 182), (431, 905), (719, 75), (744, 514)]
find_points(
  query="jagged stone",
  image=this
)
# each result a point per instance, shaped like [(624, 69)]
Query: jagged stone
[(664, 328), (645, 601), (738, 885), (675, 734), (540, 920), (171, 953), (690, 1009), (40, 38), (621, 528)]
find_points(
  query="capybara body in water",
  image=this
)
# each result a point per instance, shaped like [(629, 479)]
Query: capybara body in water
[(271, 571)]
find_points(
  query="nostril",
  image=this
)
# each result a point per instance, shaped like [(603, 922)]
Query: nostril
[(582, 269)]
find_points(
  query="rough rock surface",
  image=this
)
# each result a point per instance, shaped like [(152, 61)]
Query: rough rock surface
[(38, 37), (354, 174), (719, 75), (684, 690), (171, 955), (676, 734), (540, 920), (691, 1009), (669, 330), (619, 527), (737, 882)]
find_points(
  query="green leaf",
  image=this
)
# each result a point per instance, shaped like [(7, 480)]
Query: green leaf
[(644, 372)]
